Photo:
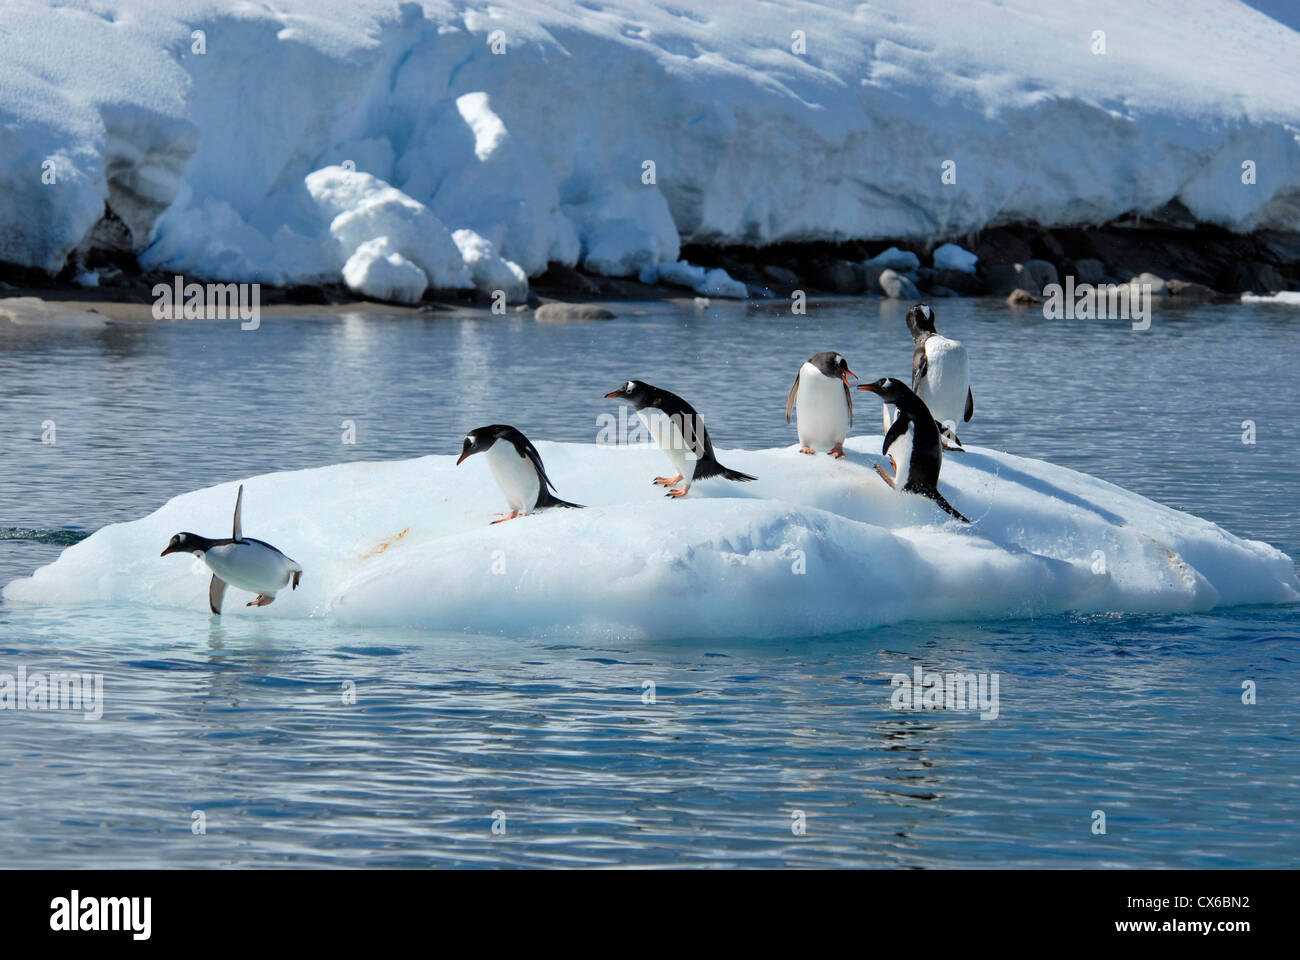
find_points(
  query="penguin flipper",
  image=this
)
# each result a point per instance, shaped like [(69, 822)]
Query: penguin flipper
[(789, 403), (949, 434), (970, 404), (848, 401), (237, 533), (216, 593), (896, 430)]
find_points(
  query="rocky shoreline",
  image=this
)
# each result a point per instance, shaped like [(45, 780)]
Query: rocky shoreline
[(1178, 258)]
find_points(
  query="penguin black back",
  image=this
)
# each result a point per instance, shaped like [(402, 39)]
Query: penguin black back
[(925, 457)]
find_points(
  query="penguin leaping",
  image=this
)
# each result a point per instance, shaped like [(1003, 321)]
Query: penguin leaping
[(940, 374), (248, 564), (824, 403), (679, 432), (516, 466), (912, 443)]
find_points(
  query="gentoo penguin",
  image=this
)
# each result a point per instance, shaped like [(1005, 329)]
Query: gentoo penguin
[(940, 375), (824, 403), (517, 467), (912, 443), (679, 432), (249, 564)]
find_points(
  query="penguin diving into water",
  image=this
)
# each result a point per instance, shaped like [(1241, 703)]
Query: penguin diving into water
[(248, 564), (824, 403), (516, 466), (679, 432), (912, 443), (940, 375)]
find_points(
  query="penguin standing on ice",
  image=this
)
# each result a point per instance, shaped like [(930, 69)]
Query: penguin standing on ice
[(824, 403), (248, 564), (912, 443), (679, 432), (940, 375), (516, 466)]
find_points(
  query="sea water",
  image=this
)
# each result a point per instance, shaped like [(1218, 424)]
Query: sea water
[(1118, 740)]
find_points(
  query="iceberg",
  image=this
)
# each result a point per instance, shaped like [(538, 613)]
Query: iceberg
[(814, 546)]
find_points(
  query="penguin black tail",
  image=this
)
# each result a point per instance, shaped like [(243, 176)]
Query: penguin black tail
[(934, 494), (711, 468), (547, 499)]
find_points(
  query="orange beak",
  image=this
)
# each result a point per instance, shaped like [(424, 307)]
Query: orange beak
[(868, 386), (614, 394), (845, 377), (461, 458)]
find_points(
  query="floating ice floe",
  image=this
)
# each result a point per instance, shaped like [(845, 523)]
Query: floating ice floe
[(815, 546)]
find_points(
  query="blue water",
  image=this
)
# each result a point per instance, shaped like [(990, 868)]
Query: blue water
[(244, 719)]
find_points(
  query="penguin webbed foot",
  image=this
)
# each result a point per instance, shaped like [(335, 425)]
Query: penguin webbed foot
[(677, 494), (261, 600), (509, 516), (667, 481), (884, 476), (837, 451), (808, 450)]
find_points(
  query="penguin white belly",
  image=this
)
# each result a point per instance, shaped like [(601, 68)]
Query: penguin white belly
[(250, 566), (822, 410), (515, 475), (947, 379), (668, 437), (901, 451)]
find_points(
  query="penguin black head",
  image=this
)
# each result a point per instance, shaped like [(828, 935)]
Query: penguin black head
[(920, 319), (889, 389), (833, 365), (480, 439), (633, 390), (187, 543)]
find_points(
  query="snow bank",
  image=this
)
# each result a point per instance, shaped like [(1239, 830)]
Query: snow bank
[(608, 133), (814, 546)]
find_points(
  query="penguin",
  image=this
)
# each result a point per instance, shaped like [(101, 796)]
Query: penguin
[(912, 443), (678, 431), (940, 375), (517, 467), (824, 403), (249, 564)]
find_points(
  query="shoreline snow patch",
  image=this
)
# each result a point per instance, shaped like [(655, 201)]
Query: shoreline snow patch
[(814, 546)]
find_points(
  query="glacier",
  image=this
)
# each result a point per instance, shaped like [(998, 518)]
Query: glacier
[(607, 135), (814, 546)]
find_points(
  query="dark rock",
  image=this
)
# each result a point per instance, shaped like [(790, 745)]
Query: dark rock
[(839, 276), (925, 277), (561, 277), (1042, 271), (1190, 291), (782, 276), (939, 290), (897, 287), (1088, 270), (963, 283), (1002, 278), (305, 293), (1279, 247), (1251, 276), (1000, 246)]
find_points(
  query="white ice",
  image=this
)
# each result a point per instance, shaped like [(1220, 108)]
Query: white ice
[(608, 134), (815, 546)]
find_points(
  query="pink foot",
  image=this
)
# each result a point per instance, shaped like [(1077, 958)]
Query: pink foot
[(510, 516), (837, 451), (807, 450), (261, 600)]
